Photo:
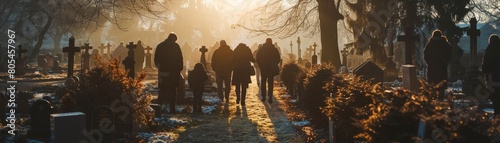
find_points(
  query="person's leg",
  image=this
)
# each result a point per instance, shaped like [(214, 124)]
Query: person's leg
[(227, 87), (243, 93), (238, 93), (257, 76), (199, 100), (263, 88), (195, 101), (172, 97), (218, 80), (270, 85)]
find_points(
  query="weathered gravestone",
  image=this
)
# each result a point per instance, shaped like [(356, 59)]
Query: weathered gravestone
[(315, 57), (471, 82), (56, 68), (149, 66), (103, 123), (129, 61), (370, 71), (71, 49), (20, 63), (40, 120), (410, 81), (86, 57), (50, 59), (60, 57), (67, 127)]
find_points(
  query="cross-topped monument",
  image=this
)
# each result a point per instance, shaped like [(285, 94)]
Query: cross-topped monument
[(148, 67), (473, 33), (203, 50), (409, 38), (291, 47), (102, 47), (71, 49), (129, 60), (472, 74), (86, 57), (298, 50), (108, 47), (314, 57), (344, 52)]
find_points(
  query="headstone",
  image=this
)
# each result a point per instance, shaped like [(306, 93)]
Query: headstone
[(56, 68), (40, 120), (101, 47), (50, 59), (203, 61), (106, 56), (299, 57), (60, 57), (410, 81), (344, 52), (67, 127), (148, 67), (120, 52), (129, 60), (471, 82), (86, 57), (20, 63), (370, 71), (45, 68), (139, 57), (71, 49), (40, 60), (315, 57), (93, 57), (103, 122)]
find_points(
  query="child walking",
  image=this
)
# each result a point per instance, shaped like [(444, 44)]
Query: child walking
[(196, 81)]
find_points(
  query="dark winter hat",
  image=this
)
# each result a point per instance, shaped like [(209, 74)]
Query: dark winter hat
[(494, 38), (269, 41)]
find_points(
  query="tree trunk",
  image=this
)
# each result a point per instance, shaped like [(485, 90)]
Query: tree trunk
[(39, 42), (57, 41), (328, 17)]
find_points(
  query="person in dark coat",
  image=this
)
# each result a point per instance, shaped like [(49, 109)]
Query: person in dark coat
[(491, 71), (168, 60), (437, 53), (242, 57), (196, 81), (139, 57), (222, 64), (268, 59)]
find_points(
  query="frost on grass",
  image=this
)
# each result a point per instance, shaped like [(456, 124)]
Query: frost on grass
[(162, 137), (208, 109), (301, 123)]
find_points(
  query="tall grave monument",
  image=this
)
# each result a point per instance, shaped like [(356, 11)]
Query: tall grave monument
[(409, 69), (71, 50), (472, 74)]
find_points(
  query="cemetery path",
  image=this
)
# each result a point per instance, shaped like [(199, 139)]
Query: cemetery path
[(257, 122)]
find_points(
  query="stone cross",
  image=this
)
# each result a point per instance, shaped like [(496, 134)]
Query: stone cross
[(298, 50), (473, 33), (314, 57), (291, 47), (203, 50), (344, 52), (86, 57), (129, 61), (409, 38), (102, 47), (71, 49), (148, 67), (107, 48)]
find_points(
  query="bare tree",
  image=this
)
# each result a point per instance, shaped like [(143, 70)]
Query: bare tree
[(284, 19)]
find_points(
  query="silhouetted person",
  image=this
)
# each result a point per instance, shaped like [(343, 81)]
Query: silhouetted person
[(437, 53), (120, 52), (491, 71), (268, 59), (242, 57), (168, 60), (139, 57), (222, 64), (196, 81), (256, 66)]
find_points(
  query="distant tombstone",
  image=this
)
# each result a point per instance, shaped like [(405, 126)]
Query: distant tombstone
[(369, 70), (56, 68), (129, 60), (71, 50), (101, 47), (45, 67), (410, 77), (86, 57), (20, 63), (67, 127), (60, 57), (50, 59), (107, 56), (40, 120), (93, 57), (148, 67), (103, 121), (40, 60)]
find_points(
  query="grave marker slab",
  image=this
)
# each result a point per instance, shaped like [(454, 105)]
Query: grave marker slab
[(410, 81), (67, 127), (370, 71), (40, 120)]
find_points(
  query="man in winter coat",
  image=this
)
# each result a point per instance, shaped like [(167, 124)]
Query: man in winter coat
[(222, 64), (268, 59), (168, 60), (437, 53), (491, 71)]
